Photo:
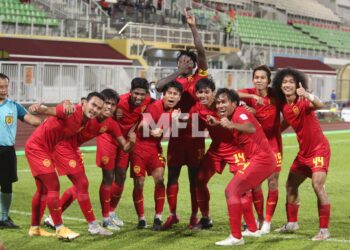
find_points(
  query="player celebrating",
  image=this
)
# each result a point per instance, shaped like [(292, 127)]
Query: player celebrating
[(267, 112), (147, 153), (184, 149), (39, 152), (111, 158), (314, 152), (221, 152), (10, 112), (260, 160), (68, 160)]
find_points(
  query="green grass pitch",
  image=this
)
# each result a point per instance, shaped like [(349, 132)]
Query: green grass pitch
[(180, 237)]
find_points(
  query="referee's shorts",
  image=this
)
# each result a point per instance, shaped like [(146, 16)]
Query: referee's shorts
[(8, 165)]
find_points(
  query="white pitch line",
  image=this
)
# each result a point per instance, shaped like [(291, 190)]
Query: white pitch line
[(29, 214)]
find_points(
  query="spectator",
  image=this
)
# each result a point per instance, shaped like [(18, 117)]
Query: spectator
[(228, 32), (232, 14), (105, 6), (333, 96)]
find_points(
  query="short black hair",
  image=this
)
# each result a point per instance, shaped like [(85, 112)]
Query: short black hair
[(205, 83), (281, 74), (139, 83), (174, 84), (3, 76), (263, 68), (230, 93), (97, 94), (110, 94), (188, 53)]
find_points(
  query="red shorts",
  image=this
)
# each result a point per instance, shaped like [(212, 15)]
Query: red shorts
[(39, 159), (254, 172), (307, 166), (276, 147), (68, 159), (216, 160), (185, 151), (143, 159), (110, 156)]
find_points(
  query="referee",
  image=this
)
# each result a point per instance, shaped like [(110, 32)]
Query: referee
[(10, 111)]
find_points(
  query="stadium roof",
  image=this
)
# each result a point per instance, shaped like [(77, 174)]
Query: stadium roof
[(310, 66), (35, 50)]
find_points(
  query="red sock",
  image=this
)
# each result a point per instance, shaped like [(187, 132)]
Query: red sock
[(203, 198), (258, 200), (171, 194), (68, 197), (116, 194), (85, 206), (324, 212), (137, 196), (194, 203), (105, 199), (248, 213), (272, 199), (159, 198), (235, 216), (292, 212), (53, 202), (38, 208)]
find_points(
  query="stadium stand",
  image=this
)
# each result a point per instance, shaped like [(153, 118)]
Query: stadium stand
[(273, 33), (13, 11), (309, 9), (339, 40)]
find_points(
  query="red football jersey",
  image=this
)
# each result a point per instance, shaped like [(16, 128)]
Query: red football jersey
[(94, 128), (57, 128), (301, 117), (254, 145), (268, 115), (131, 115), (221, 138), (154, 114), (188, 97)]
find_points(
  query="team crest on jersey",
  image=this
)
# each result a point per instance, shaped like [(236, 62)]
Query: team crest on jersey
[(47, 163), (103, 129), (190, 78), (137, 169), (9, 119), (72, 163), (296, 110), (105, 159)]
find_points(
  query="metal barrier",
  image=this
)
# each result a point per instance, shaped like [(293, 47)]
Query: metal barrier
[(54, 82)]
